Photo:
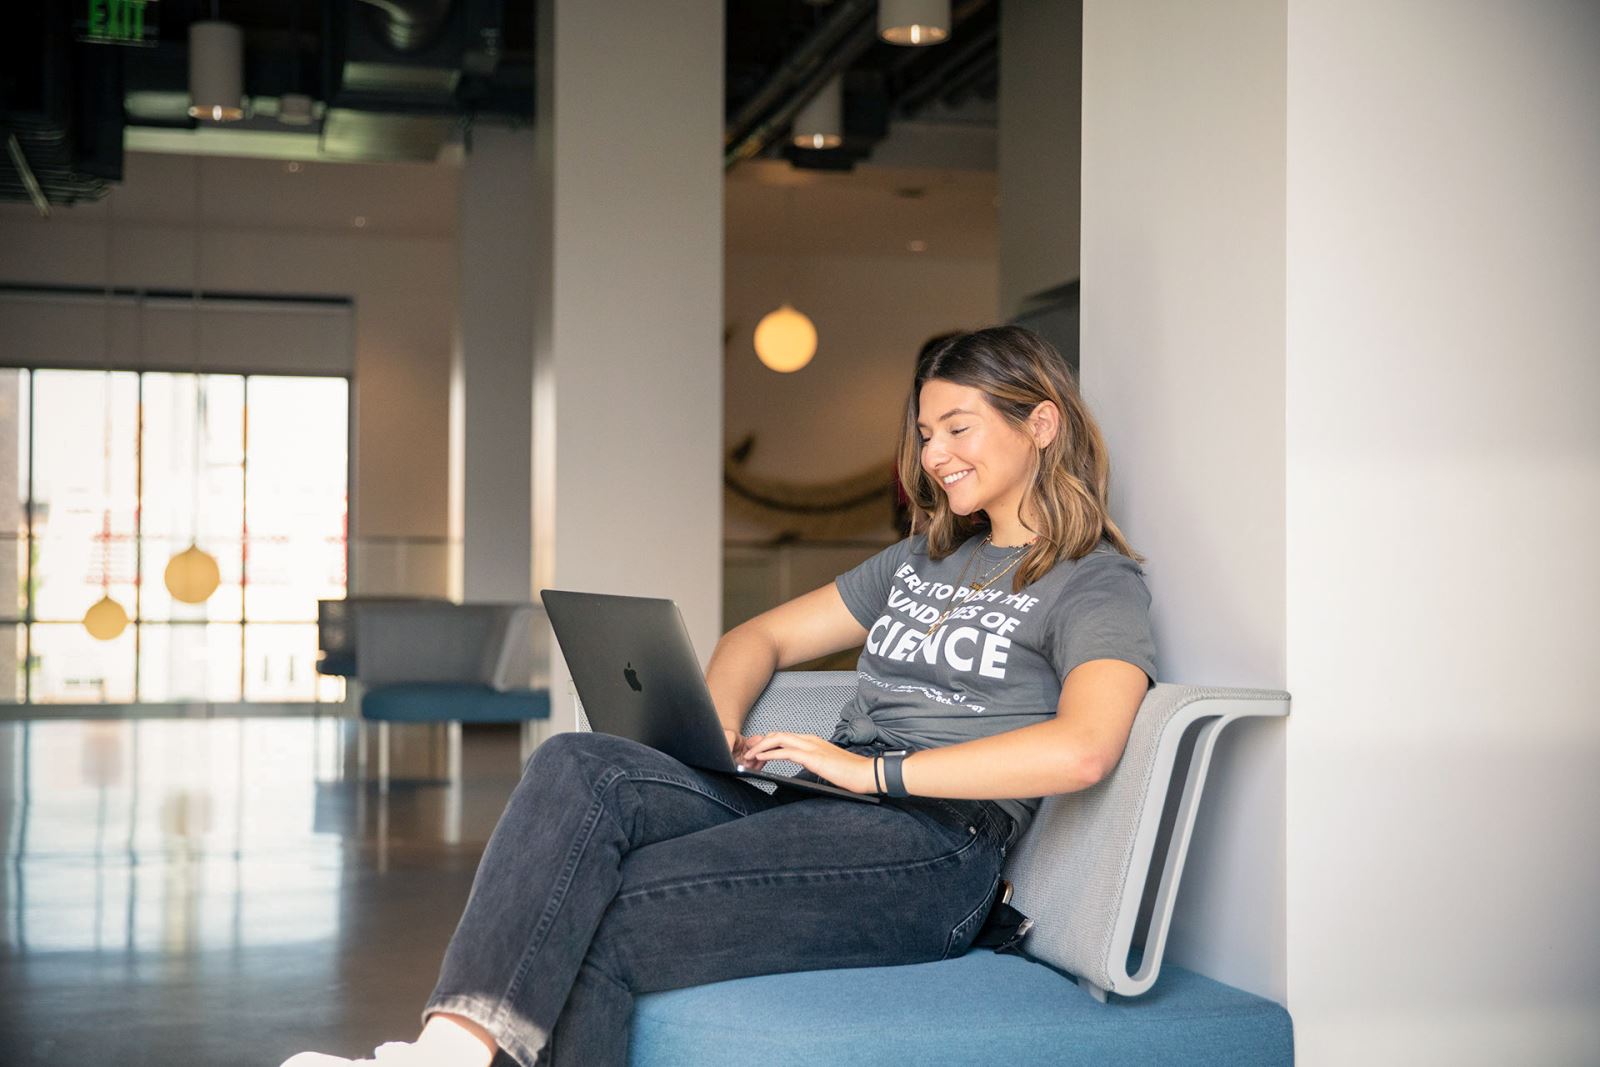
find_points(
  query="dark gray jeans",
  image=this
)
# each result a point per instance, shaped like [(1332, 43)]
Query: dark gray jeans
[(617, 870)]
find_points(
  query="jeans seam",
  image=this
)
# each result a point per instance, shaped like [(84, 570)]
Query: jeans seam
[(685, 783), (558, 897), (575, 856), (972, 916), (791, 874)]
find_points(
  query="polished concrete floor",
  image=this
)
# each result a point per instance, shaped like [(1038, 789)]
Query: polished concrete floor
[(226, 891)]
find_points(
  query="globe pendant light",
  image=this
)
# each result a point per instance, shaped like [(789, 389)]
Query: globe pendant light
[(106, 619), (192, 575), (785, 339)]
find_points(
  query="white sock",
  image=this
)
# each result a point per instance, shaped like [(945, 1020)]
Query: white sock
[(445, 1043)]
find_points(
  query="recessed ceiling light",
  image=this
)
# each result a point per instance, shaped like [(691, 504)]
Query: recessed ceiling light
[(360, 221), (916, 246), (293, 168)]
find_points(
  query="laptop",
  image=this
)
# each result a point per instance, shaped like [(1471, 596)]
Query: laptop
[(637, 675)]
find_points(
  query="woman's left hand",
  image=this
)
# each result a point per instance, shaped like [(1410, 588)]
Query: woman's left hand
[(817, 755)]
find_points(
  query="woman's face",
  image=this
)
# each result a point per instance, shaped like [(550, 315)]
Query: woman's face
[(980, 461)]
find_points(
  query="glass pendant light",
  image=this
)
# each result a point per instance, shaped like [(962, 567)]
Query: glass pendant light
[(785, 338), (106, 618), (192, 575)]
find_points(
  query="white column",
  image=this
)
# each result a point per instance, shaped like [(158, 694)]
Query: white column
[(492, 375), (1183, 311), (628, 307)]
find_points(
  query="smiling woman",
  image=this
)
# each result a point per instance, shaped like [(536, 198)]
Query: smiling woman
[(1007, 649)]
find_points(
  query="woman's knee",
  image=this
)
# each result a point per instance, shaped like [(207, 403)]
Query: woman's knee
[(585, 749)]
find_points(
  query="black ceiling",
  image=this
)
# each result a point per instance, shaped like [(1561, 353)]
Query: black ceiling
[(66, 101)]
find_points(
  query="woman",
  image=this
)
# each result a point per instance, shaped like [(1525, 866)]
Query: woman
[(1007, 648)]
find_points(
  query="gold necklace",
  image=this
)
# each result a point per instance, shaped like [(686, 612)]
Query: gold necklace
[(977, 584), (980, 584)]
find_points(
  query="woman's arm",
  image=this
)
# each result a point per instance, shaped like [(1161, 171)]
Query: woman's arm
[(802, 629), (1073, 751)]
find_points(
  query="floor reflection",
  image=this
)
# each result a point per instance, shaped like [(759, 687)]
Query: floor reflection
[(225, 891)]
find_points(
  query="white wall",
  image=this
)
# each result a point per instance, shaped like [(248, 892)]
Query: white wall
[(1339, 263), (1182, 361), (1443, 385), (267, 230), (1040, 102)]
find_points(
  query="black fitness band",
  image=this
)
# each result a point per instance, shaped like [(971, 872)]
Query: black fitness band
[(894, 781), (877, 783)]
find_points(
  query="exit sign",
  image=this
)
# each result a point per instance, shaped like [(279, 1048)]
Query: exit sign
[(127, 22)]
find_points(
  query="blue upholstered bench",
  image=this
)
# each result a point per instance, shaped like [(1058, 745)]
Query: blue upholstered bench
[(436, 662), (979, 1009), (1098, 872)]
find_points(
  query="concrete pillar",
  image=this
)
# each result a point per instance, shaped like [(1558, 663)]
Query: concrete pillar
[(491, 416), (628, 308)]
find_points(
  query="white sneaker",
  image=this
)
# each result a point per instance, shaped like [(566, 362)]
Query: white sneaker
[(392, 1054)]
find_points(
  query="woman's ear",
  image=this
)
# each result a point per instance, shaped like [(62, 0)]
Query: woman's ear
[(1044, 423)]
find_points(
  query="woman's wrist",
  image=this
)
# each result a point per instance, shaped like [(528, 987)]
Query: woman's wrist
[(869, 777)]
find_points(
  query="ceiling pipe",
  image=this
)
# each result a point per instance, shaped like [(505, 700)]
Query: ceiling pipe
[(410, 25), (861, 38), (851, 30), (970, 81), (979, 51), (40, 203), (800, 66)]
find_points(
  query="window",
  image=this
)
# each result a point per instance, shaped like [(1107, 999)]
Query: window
[(113, 473)]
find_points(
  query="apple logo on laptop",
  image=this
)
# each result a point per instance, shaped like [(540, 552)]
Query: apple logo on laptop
[(633, 679)]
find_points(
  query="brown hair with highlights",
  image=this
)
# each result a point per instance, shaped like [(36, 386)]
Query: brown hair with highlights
[(1016, 370)]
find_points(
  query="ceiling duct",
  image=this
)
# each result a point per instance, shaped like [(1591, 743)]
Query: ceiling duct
[(409, 53), (408, 25)]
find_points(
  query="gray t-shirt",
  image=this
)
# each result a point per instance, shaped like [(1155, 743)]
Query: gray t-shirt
[(998, 661)]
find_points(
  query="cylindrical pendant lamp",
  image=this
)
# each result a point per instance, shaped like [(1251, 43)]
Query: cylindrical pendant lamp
[(914, 22), (216, 72), (820, 123)]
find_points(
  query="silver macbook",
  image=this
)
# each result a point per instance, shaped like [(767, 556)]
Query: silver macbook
[(636, 673)]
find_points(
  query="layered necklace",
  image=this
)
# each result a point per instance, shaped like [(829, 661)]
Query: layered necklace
[(983, 581)]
